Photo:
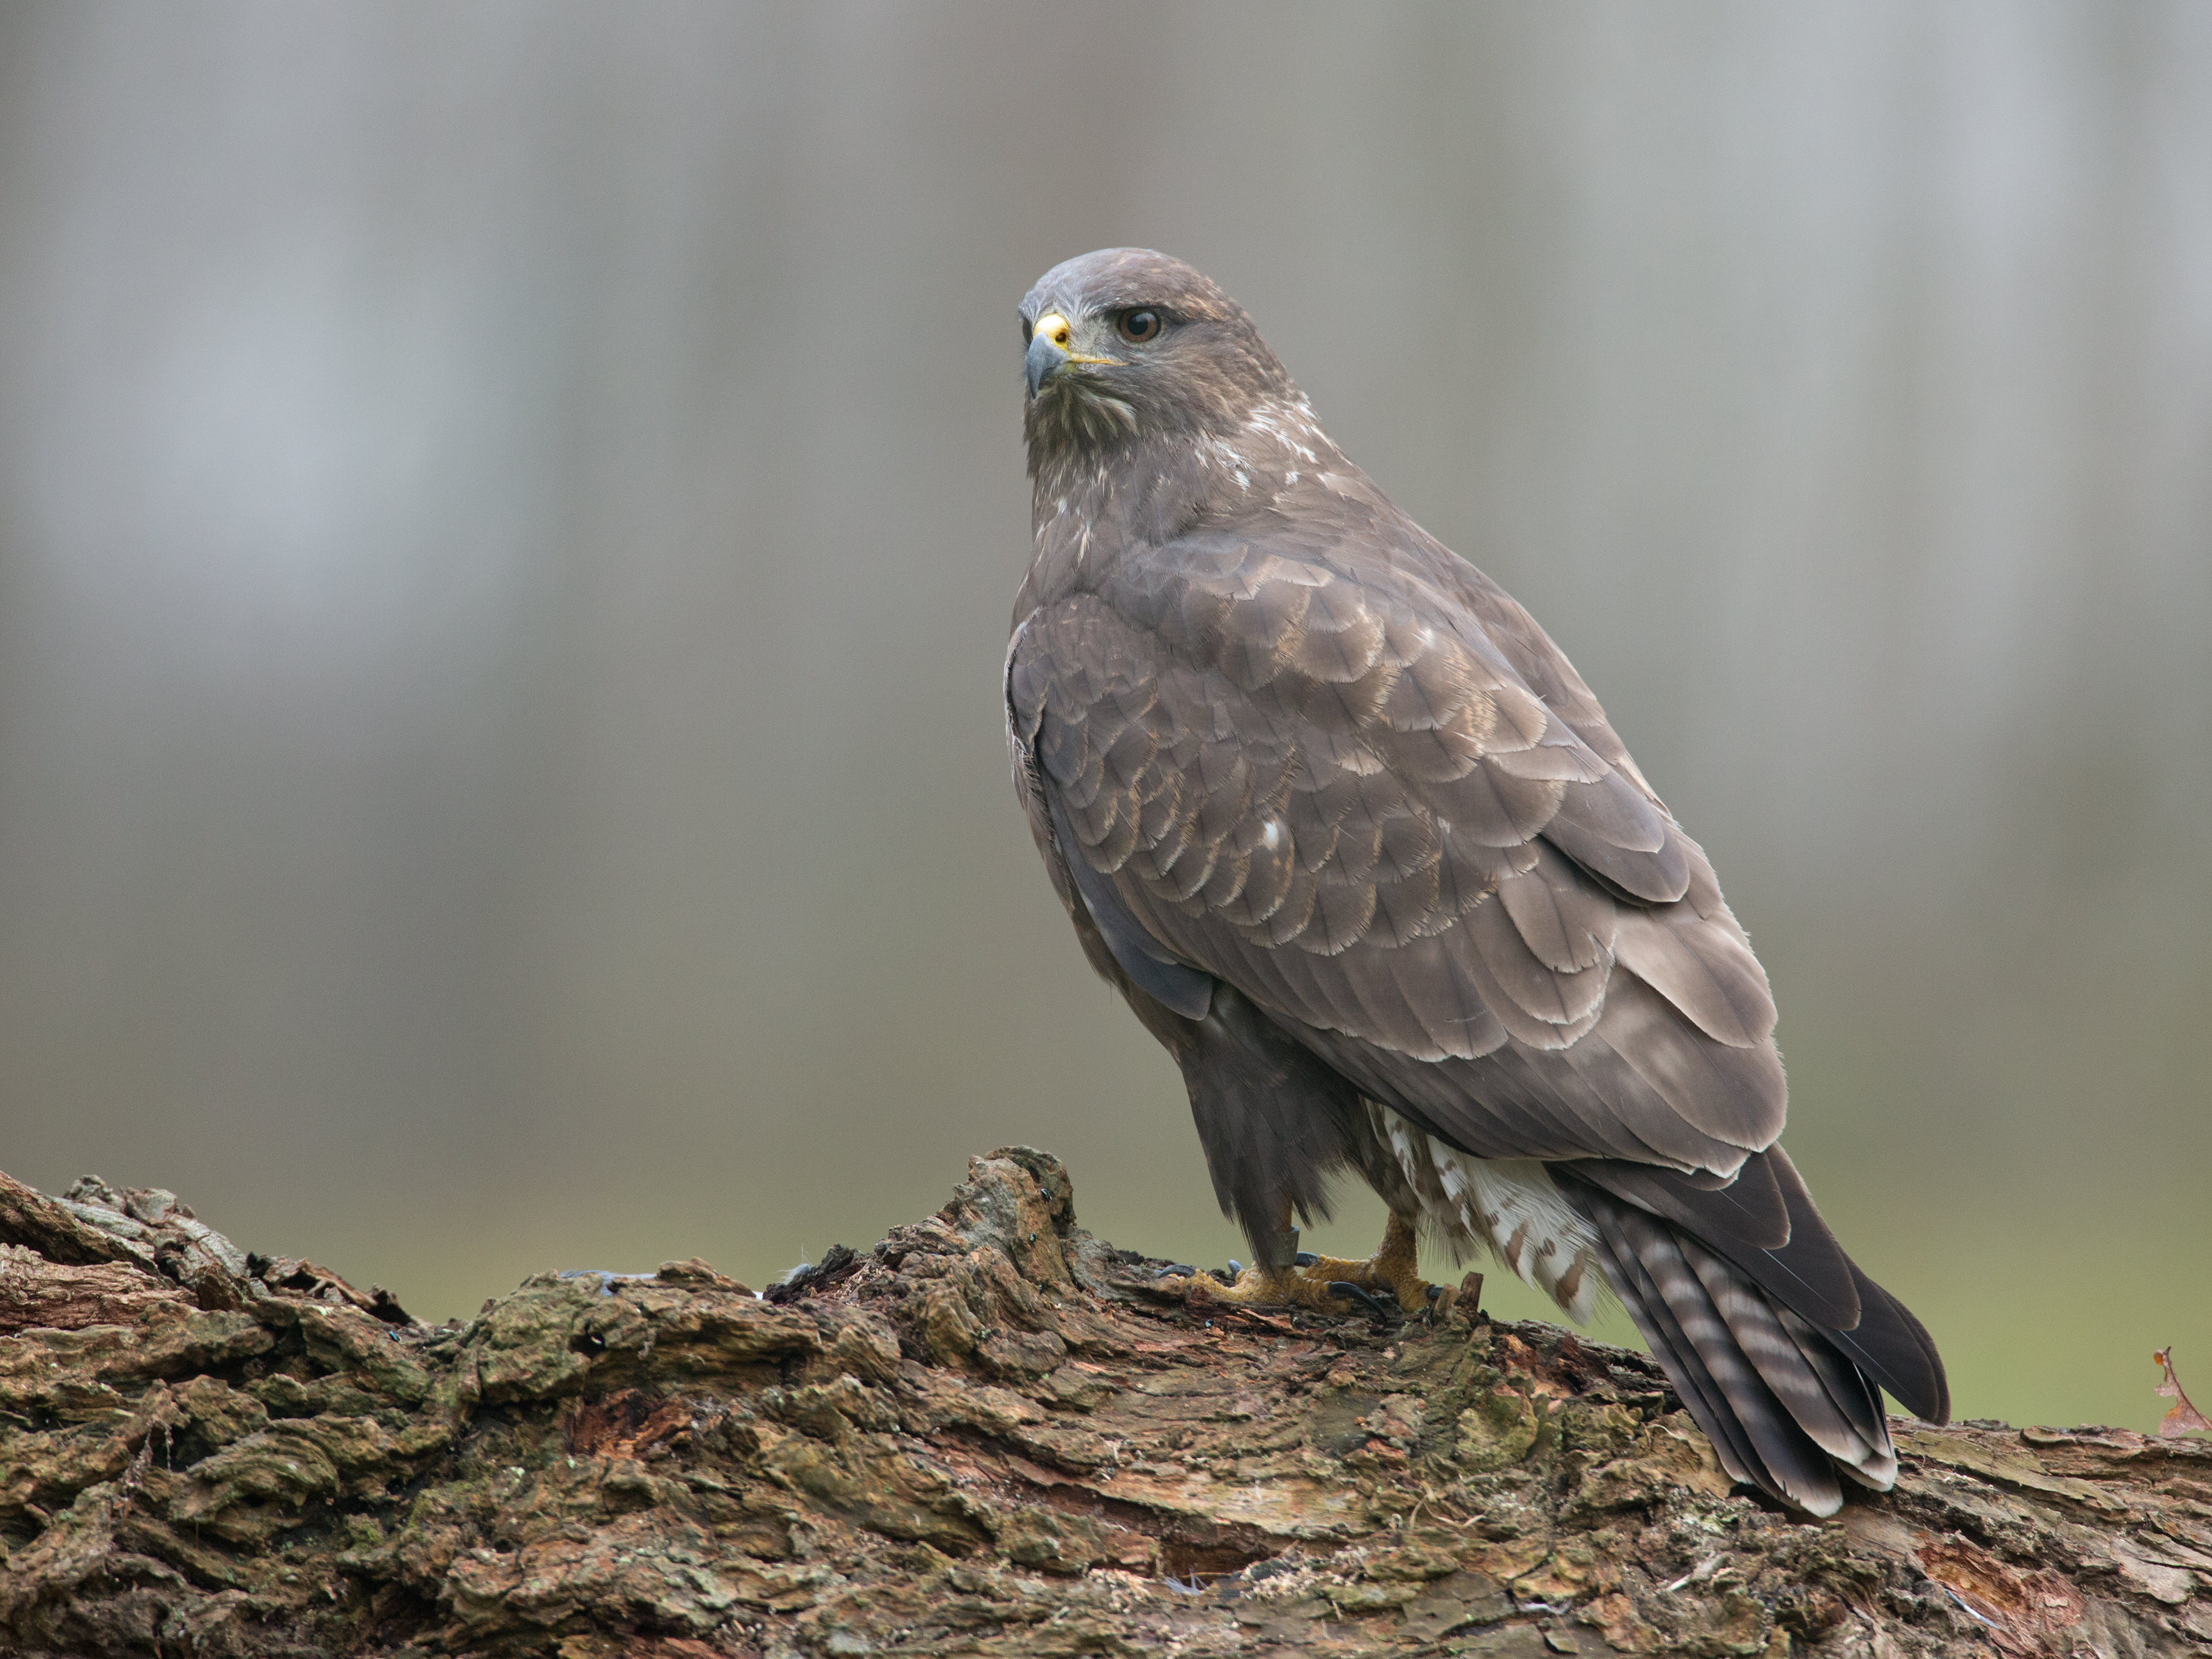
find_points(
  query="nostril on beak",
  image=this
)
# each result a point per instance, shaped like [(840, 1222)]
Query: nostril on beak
[(1042, 361)]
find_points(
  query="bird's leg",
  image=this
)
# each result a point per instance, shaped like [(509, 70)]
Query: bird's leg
[(1274, 1280), (1394, 1267)]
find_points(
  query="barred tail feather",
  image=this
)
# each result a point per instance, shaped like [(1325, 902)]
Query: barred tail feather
[(1895, 1349), (1854, 1395), (1684, 1362), (1786, 1408)]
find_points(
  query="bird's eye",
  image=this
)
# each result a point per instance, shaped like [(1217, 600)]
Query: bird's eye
[(1139, 327)]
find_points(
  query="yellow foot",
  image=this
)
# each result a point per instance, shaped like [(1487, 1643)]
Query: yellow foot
[(1259, 1287), (1395, 1268), (1330, 1284)]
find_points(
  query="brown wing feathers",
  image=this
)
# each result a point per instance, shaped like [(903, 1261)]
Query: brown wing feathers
[(1238, 819)]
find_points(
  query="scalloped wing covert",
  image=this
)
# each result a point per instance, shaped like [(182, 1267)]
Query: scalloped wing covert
[(1339, 789)]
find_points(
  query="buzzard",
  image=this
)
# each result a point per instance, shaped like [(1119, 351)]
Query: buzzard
[(1361, 849)]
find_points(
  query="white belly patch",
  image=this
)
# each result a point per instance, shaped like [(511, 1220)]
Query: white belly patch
[(1506, 1204)]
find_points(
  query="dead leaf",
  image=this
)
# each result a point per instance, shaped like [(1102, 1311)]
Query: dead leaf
[(2181, 1418)]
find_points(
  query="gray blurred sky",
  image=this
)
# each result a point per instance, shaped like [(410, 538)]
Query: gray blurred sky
[(508, 512)]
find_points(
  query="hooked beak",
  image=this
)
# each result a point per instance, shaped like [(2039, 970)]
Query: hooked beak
[(1043, 361), (1051, 349)]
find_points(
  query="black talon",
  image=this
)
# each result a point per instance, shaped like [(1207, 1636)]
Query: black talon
[(1435, 1291), (1304, 1259), (1351, 1292), (1236, 1268), (1178, 1270)]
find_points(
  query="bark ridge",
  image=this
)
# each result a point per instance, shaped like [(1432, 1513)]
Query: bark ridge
[(981, 1437)]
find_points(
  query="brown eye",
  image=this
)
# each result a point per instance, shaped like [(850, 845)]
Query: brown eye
[(1139, 327)]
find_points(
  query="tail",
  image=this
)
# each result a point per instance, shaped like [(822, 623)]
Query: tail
[(1778, 1344)]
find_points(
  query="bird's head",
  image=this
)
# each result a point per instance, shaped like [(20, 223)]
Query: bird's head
[(1126, 343)]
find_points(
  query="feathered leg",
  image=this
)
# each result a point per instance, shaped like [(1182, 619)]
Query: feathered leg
[(1276, 1125)]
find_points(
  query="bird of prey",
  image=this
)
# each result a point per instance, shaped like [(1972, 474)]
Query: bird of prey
[(1359, 847)]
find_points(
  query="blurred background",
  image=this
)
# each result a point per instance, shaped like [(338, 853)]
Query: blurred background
[(508, 514)]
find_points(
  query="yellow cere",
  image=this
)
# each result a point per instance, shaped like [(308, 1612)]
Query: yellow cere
[(1061, 332)]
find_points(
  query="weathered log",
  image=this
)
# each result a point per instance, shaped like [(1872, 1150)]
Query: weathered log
[(984, 1436)]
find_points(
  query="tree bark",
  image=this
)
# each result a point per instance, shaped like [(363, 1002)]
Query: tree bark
[(985, 1435)]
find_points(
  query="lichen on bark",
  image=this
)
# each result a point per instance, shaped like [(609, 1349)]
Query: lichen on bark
[(985, 1435)]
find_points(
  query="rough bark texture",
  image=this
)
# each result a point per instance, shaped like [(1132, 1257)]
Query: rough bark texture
[(982, 1437)]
